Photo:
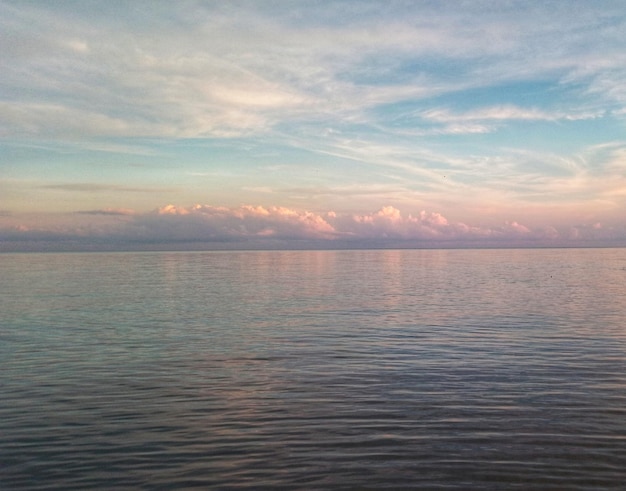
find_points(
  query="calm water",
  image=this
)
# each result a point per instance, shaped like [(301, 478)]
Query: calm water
[(485, 369)]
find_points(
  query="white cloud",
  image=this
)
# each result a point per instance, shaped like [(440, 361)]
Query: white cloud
[(475, 121), (211, 71)]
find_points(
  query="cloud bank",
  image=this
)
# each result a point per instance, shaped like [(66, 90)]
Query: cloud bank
[(247, 226)]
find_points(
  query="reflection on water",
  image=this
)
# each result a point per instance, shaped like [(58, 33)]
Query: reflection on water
[(499, 369)]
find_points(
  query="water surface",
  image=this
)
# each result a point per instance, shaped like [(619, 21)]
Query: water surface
[(449, 369)]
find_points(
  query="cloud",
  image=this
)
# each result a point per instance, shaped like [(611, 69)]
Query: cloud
[(49, 120), (266, 227), (210, 223), (388, 222), (224, 71), (89, 187), (487, 114), (244, 222), (596, 232), (109, 81), (487, 119), (110, 212), (400, 102)]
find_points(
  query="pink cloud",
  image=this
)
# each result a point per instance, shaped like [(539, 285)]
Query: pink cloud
[(277, 226), (388, 222), (205, 222), (249, 222)]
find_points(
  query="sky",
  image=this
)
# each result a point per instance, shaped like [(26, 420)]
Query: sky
[(297, 124)]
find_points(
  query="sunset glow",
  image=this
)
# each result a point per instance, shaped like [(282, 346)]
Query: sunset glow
[(312, 124)]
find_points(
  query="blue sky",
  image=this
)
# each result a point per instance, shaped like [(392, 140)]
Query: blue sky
[(278, 124)]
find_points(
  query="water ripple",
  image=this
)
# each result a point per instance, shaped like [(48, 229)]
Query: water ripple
[(313, 370)]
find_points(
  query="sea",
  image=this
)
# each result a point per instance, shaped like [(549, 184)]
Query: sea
[(489, 369)]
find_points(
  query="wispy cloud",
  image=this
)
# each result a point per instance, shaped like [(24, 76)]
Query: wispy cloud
[(89, 187), (230, 71), (110, 212), (502, 114), (499, 108)]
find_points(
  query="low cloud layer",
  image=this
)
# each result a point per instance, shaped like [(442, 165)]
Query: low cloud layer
[(248, 226)]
